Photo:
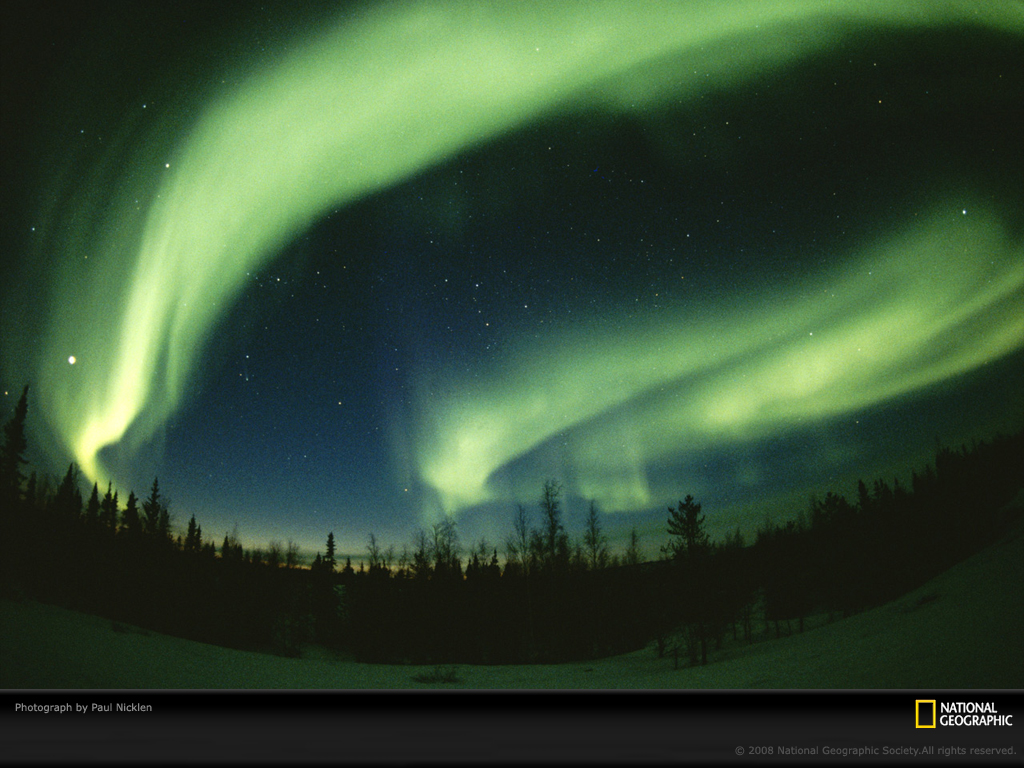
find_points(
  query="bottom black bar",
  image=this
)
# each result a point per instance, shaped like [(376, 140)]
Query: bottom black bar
[(807, 728)]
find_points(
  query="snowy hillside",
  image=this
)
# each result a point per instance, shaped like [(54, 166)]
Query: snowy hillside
[(961, 630)]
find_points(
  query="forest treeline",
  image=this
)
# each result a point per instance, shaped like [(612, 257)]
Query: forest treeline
[(551, 597)]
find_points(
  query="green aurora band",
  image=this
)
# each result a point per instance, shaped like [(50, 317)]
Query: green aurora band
[(372, 102), (877, 328)]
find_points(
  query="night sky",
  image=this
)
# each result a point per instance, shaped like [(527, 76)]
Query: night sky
[(355, 267)]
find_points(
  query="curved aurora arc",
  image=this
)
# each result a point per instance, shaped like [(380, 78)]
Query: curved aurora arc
[(877, 328), (334, 121)]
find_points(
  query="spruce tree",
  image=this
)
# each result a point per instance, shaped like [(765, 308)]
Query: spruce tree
[(152, 508), (67, 504), (493, 568), (686, 526), (192, 539), (108, 509), (131, 525), (92, 509), (164, 531), (691, 550), (329, 560)]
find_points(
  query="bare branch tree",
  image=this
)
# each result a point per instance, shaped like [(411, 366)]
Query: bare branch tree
[(421, 556), (517, 543), (595, 541), (445, 545), (291, 556), (274, 550), (374, 552)]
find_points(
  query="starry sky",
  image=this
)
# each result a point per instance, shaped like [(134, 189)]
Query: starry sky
[(355, 267)]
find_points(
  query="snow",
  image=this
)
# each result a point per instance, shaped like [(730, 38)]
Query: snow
[(963, 629)]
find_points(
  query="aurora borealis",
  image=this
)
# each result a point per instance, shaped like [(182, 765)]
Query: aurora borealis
[(355, 269)]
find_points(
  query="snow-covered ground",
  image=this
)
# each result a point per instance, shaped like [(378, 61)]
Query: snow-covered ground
[(961, 630)]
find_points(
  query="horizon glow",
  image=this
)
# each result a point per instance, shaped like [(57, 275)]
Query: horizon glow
[(368, 104)]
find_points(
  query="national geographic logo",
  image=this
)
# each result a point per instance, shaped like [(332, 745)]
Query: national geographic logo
[(930, 713), (925, 713)]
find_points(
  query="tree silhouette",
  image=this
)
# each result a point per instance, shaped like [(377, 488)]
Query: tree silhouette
[(421, 557), (67, 504), (445, 549), (92, 508), (164, 528), (632, 556), (152, 509), (493, 569), (686, 527), (736, 585), (274, 554), (690, 550), (329, 560), (131, 524), (841, 556), (108, 510), (517, 543), (194, 536), (12, 455), (375, 554), (555, 541), (291, 554), (595, 541)]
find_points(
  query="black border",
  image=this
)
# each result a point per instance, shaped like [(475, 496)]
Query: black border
[(498, 727)]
